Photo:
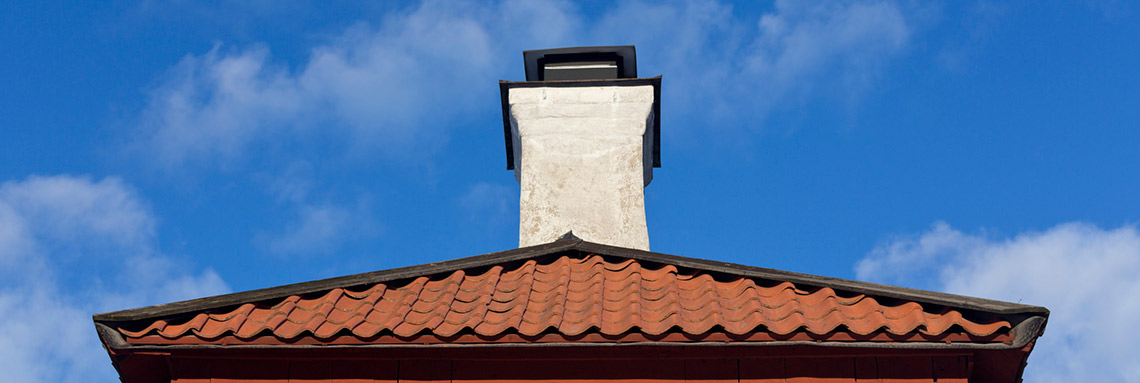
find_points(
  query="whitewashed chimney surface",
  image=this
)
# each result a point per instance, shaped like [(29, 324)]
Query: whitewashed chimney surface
[(583, 163)]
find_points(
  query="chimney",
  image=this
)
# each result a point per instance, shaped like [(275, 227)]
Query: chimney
[(582, 136)]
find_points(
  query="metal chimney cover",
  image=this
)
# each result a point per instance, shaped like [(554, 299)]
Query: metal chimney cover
[(594, 63)]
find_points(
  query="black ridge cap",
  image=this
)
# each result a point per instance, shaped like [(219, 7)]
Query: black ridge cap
[(560, 246), (504, 95)]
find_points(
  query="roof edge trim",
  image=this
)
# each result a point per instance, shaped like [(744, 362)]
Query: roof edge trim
[(874, 345)]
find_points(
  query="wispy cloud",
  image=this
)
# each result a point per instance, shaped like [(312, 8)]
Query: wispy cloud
[(71, 247), (729, 71), (318, 225), (984, 17), (379, 85), (317, 229), (394, 88), (390, 83), (489, 202), (1087, 277), (804, 42)]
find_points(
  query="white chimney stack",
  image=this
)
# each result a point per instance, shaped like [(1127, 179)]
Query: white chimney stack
[(583, 147)]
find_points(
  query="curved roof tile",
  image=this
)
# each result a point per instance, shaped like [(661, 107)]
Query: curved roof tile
[(571, 296)]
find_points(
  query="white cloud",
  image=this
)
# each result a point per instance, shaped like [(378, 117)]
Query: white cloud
[(395, 87), (71, 247), (803, 41), (392, 85), (318, 225), (490, 203), (720, 65), (1087, 276), (316, 229), (378, 87), (66, 207), (216, 104)]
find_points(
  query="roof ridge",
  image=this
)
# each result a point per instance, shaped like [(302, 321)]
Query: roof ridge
[(570, 244)]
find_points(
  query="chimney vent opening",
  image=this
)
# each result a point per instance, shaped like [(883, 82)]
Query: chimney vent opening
[(580, 70)]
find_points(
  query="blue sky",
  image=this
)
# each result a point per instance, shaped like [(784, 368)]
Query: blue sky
[(158, 151)]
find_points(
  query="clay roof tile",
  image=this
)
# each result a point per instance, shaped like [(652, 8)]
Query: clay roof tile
[(576, 292)]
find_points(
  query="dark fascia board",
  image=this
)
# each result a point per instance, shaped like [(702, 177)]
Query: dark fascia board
[(627, 53), (1023, 333), (506, 86), (1018, 343), (559, 247)]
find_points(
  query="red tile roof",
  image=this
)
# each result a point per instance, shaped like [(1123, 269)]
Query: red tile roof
[(571, 296)]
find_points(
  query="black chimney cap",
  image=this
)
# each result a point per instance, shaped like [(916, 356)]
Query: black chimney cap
[(581, 63), (585, 63)]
